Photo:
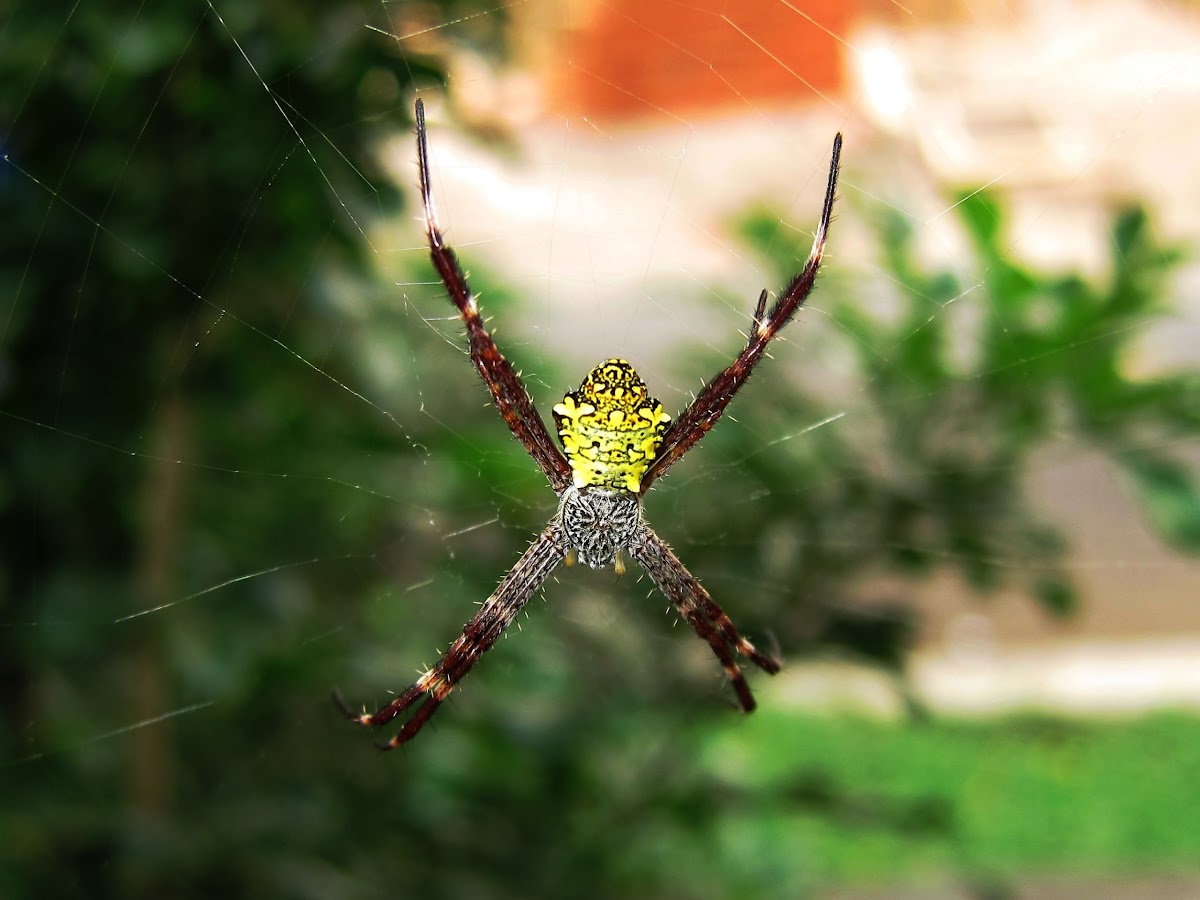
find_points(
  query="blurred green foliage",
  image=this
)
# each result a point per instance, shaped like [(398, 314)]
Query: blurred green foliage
[(993, 802), (233, 473), (933, 472)]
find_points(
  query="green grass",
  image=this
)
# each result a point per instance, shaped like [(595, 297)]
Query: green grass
[(812, 801)]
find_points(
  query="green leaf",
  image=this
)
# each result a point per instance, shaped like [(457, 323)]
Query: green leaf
[(1170, 496), (1058, 597), (982, 215)]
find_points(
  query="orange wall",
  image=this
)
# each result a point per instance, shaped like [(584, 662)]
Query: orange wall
[(641, 58)]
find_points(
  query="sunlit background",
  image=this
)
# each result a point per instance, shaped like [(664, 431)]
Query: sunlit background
[(246, 458)]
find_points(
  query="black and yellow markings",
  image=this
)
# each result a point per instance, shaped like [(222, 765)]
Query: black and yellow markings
[(610, 428)]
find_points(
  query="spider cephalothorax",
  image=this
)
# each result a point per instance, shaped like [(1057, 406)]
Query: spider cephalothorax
[(598, 524), (617, 443)]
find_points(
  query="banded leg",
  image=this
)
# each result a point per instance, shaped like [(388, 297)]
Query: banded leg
[(704, 411), (478, 636), (508, 391), (700, 611)]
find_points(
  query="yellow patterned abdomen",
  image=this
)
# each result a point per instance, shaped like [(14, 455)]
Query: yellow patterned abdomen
[(610, 428)]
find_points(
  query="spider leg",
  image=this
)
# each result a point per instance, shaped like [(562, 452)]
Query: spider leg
[(704, 411), (478, 636), (507, 389), (701, 611)]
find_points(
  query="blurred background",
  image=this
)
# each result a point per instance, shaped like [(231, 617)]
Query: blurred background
[(245, 458)]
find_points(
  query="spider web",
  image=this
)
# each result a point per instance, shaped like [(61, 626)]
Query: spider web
[(588, 235)]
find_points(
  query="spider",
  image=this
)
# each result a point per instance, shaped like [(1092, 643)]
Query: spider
[(616, 442)]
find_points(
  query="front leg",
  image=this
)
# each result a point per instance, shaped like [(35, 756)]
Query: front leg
[(704, 411), (507, 390)]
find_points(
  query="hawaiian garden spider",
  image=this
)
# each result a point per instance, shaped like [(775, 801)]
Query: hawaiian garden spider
[(617, 442)]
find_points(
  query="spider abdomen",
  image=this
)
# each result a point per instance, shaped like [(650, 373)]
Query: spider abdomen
[(599, 523), (610, 428)]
